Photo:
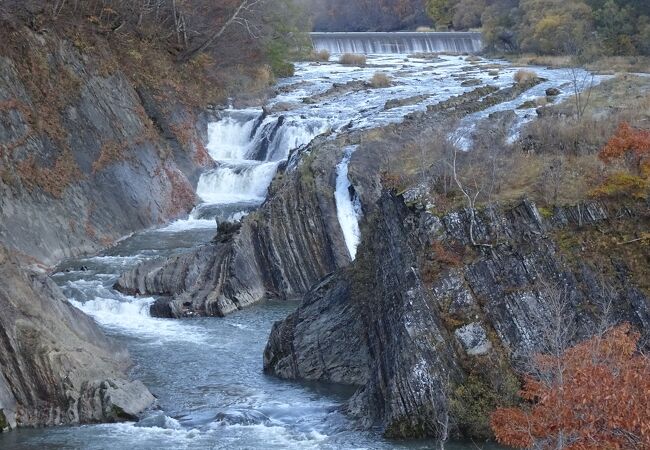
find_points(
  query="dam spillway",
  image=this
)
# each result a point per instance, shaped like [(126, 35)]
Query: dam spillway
[(371, 43)]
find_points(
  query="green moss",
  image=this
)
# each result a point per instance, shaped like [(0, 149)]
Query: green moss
[(4, 424), (546, 213), (475, 399)]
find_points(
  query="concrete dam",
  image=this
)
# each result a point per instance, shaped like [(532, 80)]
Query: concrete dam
[(371, 43)]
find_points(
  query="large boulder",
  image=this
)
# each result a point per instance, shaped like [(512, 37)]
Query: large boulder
[(56, 365)]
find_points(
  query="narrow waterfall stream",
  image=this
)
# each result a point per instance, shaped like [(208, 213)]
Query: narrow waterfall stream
[(207, 373)]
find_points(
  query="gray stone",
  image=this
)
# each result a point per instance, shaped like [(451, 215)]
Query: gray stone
[(56, 366), (474, 339)]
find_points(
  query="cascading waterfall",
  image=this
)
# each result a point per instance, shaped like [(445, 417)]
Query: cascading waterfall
[(248, 146), (398, 43), (348, 206), (244, 181)]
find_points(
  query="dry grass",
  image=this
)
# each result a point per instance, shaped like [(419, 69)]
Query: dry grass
[(555, 161), (524, 76), (53, 180), (352, 59), (424, 29), (320, 55), (614, 64), (542, 60), (110, 153), (380, 80), (604, 64)]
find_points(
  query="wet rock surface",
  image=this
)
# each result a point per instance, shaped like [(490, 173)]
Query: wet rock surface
[(56, 365), (281, 250)]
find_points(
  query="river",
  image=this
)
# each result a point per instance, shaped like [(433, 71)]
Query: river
[(207, 373)]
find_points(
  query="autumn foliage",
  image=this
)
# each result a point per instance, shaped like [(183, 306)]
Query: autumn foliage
[(632, 145), (629, 141), (596, 395)]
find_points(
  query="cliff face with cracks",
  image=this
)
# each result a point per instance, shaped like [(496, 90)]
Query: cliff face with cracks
[(86, 157), (430, 326), (56, 365)]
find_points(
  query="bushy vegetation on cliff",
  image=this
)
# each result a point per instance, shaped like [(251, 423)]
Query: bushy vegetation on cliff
[(593, 395), (583, 27), (226, 45)]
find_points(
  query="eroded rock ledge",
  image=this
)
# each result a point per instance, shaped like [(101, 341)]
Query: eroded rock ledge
[(281, 250), (56, 365), (429, 325)]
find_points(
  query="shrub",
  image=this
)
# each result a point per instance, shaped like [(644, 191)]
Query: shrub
[(352, 59), (380, 80), (629, 142), (525, 76), (320, 55), (598, 399)]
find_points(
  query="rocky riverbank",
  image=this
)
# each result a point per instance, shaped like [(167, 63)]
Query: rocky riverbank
[(430, 326), (57, 367), (86, 157)]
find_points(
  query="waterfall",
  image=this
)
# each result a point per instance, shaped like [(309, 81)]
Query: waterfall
[(398, 43), (348, 206), (248, 146), (244, 181)]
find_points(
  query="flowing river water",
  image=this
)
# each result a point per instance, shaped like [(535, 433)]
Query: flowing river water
[(207, 372)]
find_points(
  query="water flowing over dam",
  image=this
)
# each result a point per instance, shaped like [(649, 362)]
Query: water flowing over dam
[(371, 43)]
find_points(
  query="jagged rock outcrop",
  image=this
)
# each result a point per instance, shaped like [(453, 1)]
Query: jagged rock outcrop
[(427, 314), (56, 365), (294, 239), (281, 250)]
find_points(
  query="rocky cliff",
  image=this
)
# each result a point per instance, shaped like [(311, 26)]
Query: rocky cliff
[(86, 157), (294, 239), (430, 326), (56, 365)]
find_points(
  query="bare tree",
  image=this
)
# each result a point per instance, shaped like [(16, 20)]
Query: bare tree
[(240, 16), (582, 83), (471, 190)]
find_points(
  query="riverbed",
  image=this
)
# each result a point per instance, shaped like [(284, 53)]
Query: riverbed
[(207, 372)]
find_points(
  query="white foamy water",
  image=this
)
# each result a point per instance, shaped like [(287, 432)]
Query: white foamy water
[(190, 223), (348, 209), (398, 42), (131, 316), (231, 183), (230, 138)]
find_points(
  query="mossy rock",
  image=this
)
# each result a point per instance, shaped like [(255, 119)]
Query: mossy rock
[(4, 424), (528, 105)]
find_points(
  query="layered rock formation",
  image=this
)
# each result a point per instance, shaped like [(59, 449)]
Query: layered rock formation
[(56, 365), (85, 158), (294, 239), (281, 250), (423, 317)]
